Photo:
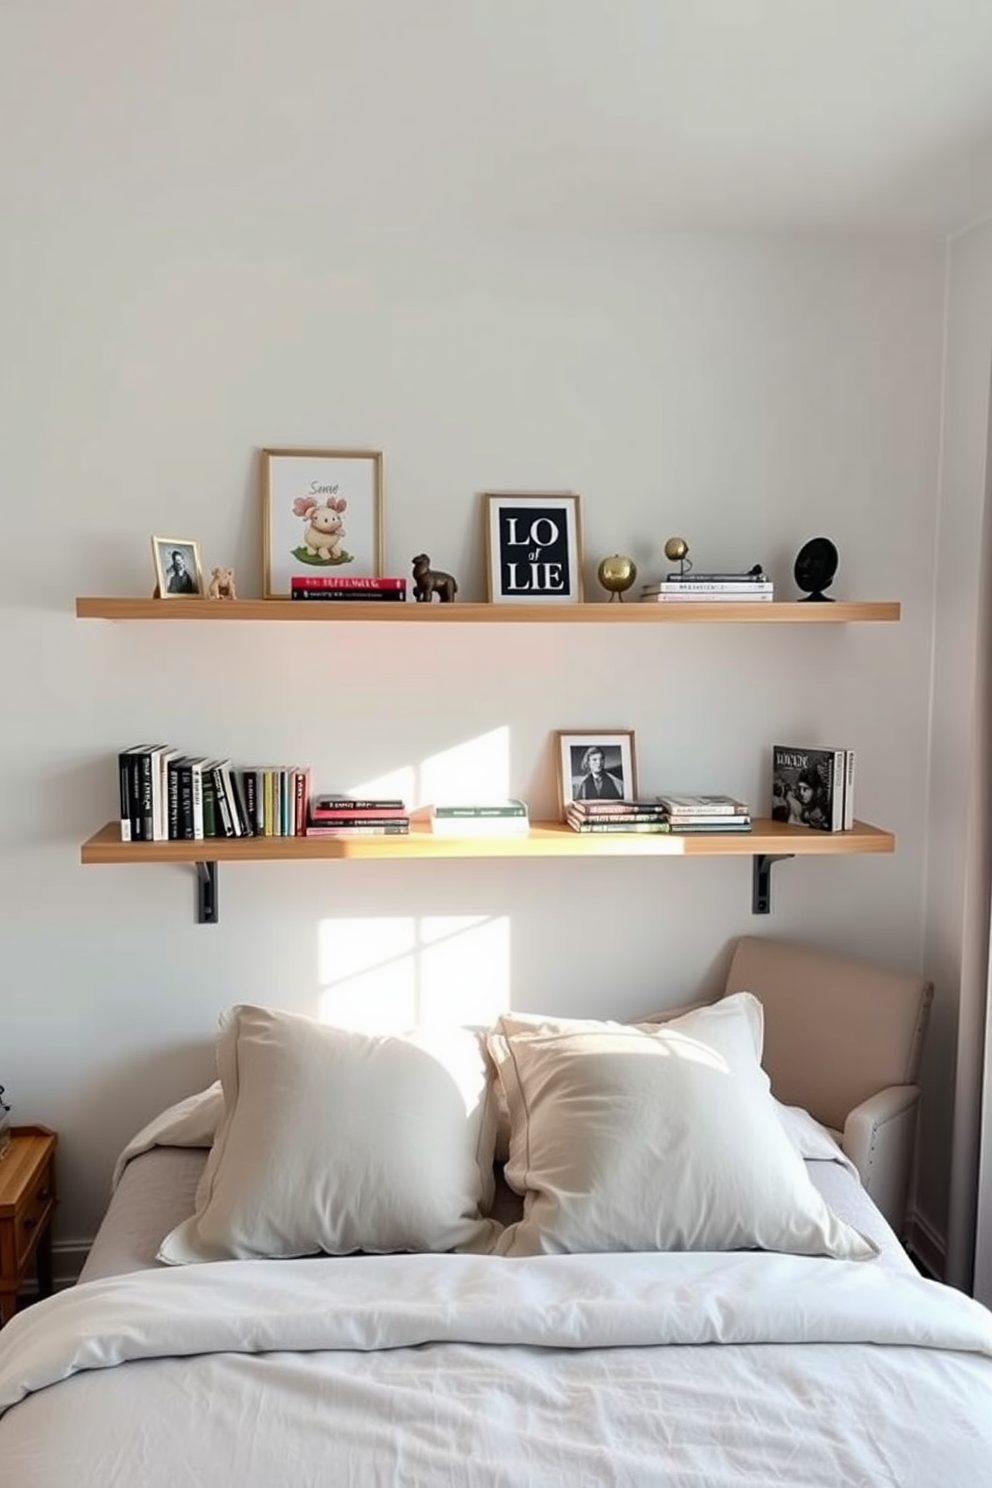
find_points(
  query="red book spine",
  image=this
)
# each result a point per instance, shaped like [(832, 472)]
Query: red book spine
[(349, 814), (323, 581)]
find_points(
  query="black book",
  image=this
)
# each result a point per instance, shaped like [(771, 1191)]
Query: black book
[(246, 818), (225, 819), (172, 817)]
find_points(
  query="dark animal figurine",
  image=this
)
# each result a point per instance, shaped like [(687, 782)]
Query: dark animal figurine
[(429, 581)]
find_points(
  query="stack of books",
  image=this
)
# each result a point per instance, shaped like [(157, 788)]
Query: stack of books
[(813, 786), (324, 587), (169, 796), (686, 812), (750, 587), (505, 818), (617, 816), (350, 816)]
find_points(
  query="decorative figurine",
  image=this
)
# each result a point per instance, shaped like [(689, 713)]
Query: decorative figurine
[(815, 566), (222, 584), (677, 551), (616, 575), (429, 581)]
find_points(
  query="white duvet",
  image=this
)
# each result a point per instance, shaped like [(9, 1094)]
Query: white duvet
[(715, 1371)]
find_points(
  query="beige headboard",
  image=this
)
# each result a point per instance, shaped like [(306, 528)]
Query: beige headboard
[(837, 1030)]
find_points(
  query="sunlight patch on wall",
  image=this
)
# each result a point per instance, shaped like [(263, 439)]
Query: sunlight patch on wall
[(382, 975), (476, 770)]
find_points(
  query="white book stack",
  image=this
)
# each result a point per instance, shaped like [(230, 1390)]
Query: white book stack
[(710, 588)]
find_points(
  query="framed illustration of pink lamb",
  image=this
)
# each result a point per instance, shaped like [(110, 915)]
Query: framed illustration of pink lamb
[(321, 516)]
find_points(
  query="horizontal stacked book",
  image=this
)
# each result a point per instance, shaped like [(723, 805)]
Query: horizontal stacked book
[(350, 816), (324, 587), (705, 813), (168, 796), (646, 815), (813, 786), (738, 588), (505, 818)]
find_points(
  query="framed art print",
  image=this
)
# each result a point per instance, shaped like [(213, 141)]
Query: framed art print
[(321, 514), (595, 766), (177, 567), (533, 548)]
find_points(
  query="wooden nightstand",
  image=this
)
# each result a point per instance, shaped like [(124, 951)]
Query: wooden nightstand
[(27, 1201)]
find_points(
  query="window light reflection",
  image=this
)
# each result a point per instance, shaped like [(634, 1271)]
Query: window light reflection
[(385, 974)]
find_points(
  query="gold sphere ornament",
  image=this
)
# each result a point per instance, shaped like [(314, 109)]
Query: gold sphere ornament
[(676, 549), (616, 575)]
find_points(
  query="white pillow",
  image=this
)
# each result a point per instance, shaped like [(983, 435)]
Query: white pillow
[(655, 1138), (334, 1141)]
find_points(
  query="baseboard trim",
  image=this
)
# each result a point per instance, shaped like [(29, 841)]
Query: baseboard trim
[(68, 1257), (926, 1248)]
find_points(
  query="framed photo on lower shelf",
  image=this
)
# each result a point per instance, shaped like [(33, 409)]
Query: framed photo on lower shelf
[(533, 548), (595, 766), (321, 514)]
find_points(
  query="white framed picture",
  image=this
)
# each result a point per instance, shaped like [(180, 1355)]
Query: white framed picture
[(533, 548), (178, 570), (595, 765), (321, 514)]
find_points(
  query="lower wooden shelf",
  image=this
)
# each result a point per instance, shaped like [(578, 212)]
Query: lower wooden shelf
[(768, 842), (545, 840)]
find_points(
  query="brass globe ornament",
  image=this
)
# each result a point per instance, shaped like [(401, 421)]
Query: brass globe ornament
[(677, 551), (616, 574)]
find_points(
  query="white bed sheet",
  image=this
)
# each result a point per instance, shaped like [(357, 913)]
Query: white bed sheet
[(676, 1371)]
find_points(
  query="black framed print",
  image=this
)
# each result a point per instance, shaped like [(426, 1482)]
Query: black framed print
[(595, 766), (533, 548)]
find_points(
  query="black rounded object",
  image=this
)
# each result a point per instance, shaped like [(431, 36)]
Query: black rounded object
[(815, 566)]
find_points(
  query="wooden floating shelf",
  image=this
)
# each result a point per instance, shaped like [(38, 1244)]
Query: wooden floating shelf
[(545, 840), (768, 843), (380, 612)]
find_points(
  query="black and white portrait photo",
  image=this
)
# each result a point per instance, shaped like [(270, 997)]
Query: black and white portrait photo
[(596, 767), (177, 567)]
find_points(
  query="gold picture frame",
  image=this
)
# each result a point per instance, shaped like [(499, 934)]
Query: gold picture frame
[(321, 516), (178, 570), (615, 776)]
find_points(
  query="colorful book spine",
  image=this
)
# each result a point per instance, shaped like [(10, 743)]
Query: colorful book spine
[(344, 583), (343, 596), (377, 829)]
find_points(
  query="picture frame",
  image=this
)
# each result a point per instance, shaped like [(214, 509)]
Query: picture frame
[(178, 570), (533, 547), (574, 751), (321, 515)]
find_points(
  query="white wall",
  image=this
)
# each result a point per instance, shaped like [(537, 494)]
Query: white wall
[(746, 393)]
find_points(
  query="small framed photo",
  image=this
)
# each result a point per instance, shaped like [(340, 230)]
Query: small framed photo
[(321, 515), (595, 766), (177, 567), (533, 548)]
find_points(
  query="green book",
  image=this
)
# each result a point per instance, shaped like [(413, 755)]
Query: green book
[(479, 812)]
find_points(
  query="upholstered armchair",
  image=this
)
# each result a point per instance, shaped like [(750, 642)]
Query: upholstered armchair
[(843, 1038)]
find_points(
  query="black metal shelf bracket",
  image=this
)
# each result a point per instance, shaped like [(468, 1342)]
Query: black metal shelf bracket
[(761, 880), (206, 894)]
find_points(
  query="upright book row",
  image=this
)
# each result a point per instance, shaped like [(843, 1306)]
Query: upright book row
[(168, 796)]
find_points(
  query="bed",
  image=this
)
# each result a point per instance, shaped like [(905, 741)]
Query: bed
[(554, 1319)]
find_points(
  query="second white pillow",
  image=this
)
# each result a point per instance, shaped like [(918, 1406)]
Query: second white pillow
[(667, 1138)]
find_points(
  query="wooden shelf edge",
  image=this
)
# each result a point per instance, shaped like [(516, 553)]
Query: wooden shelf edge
[(545, 839), (377, 612)]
